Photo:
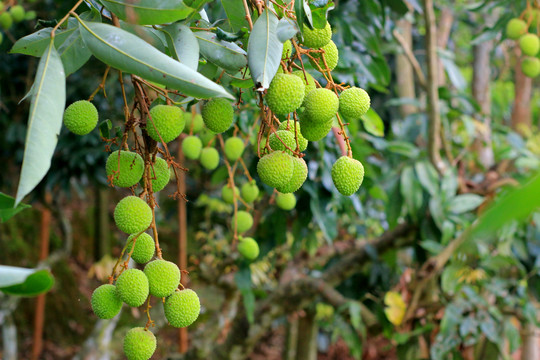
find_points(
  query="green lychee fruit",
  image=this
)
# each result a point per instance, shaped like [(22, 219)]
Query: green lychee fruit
[(206, 136), (105, 302), (331, 55), (234, 147), (249, 191), (532, 17), (167, 121), (209, 158), (285, 93), (5, 20), (280, 138), (17, 13), (515, 28), (194, 124), (248, 248), (347, 174), (218, 115), (163, 277), (81, 117), (354, 103), (313, 130), (286, 201), (317, 38), (182, 308), (298, 178), (529, 44), (144, 248), (287, 50), (244, 221), (192, 146), (132, 287), (160, 174), (321, 105), (139, 344), (302, 141), (530, 66), (275, 169), (125, 167), (227, 194), (30, 15), (309, 81), (132, 215)]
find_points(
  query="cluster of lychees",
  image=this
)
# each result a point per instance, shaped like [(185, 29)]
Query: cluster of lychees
[(525, 31), (13, 14)]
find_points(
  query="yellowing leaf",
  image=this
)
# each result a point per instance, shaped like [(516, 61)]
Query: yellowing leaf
[(395, 307)]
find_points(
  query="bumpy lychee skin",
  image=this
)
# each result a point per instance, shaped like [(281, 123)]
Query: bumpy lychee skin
[(209, 158), (182, 308), (139, 344), (249, 191), (287, 50), (275, 169), (144, 248), (354, 103), (218, 115), (234, 147), (192, 146), (132, 215), (105, 302), (530, 66), (308, 80), (167, 120), (317, 38), (244, 221), (298, 178), (163, 277), (285, 93), (194, 124), (81, 117), (347, 174), (331, 55), (302, 141), (227, 194), (160, 174), (132, 287), (280, 138), (286, 201), (321, 105), (248, 248), (125, 167), (515, 28), (529, 44), (313, 130)]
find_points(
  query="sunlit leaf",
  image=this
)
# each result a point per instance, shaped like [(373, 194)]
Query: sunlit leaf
[(24, 282), (373, 123)]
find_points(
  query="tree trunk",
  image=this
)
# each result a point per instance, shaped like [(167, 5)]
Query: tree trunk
[(405, 75), (521, 113), (291, 340), (307, 336)]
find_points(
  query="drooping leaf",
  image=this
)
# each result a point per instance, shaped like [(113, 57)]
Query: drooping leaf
[(428, 177), (286, 29), (148, 12), (127, 52), (183, 45), (147, 33), (373, 123), (235, 13), (264, 50), (48, 98), (24, 282), (8, 209), (224, 54)]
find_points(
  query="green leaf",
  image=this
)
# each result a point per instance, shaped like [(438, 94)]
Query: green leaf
[(183, 45), (373, 123), (319, 15), (286, 29), (428, 177), (148, 12), (149, 34), (235, 14), (403, 148), (127, 52), (264, 50), (411, 191), (48, 99), (24, 282), (450, 278), (224, 54), (466, 202), (8, 209), (35, 44)]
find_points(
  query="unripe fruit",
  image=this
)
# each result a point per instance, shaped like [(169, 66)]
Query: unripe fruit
[(286, 201), (249, 191), (105, 302), (275, 169), (144, 248), (308, 80), (287, 50), (206, 136), (515, 28), (132, 287), (160, 174), (529, 44), (5, 20), (81, 117), (30, 15), (163, 277), (280, 138), (218, 115), (302, 141), (331, 55), (194, 124), (317, 38), (313, 130), (132, 215), (347, 174), (354, 103), (285, 93), (209, 158), (139, 344), (532, 17), (167, 121), (530, 66), (125, 167), (182, 308), (244, 221), (192, 146), (17, 13), (227, 194), (248, 248), (321, 105), (298, 178), (234, 147)]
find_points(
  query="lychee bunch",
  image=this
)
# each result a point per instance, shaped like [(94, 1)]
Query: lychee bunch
[(81, 117), (275, 169), (125, 168), (307, 79), (144, 248), (105, 302), (160, 174), (132, 215), (331, 56), (347, 175), (132, 287), (139, 344), (282, 140), (294, 128), (285, 93), (218, 115), (167, 121), (354, 103), (317, 38), (163, 277), (299, 176), (182, 308), (321, 105)]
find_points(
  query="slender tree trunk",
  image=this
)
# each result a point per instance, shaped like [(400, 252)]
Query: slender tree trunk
[(307, 337), (521, 113), (531, 343), (405, 75), (182, 245), (291, 340)]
